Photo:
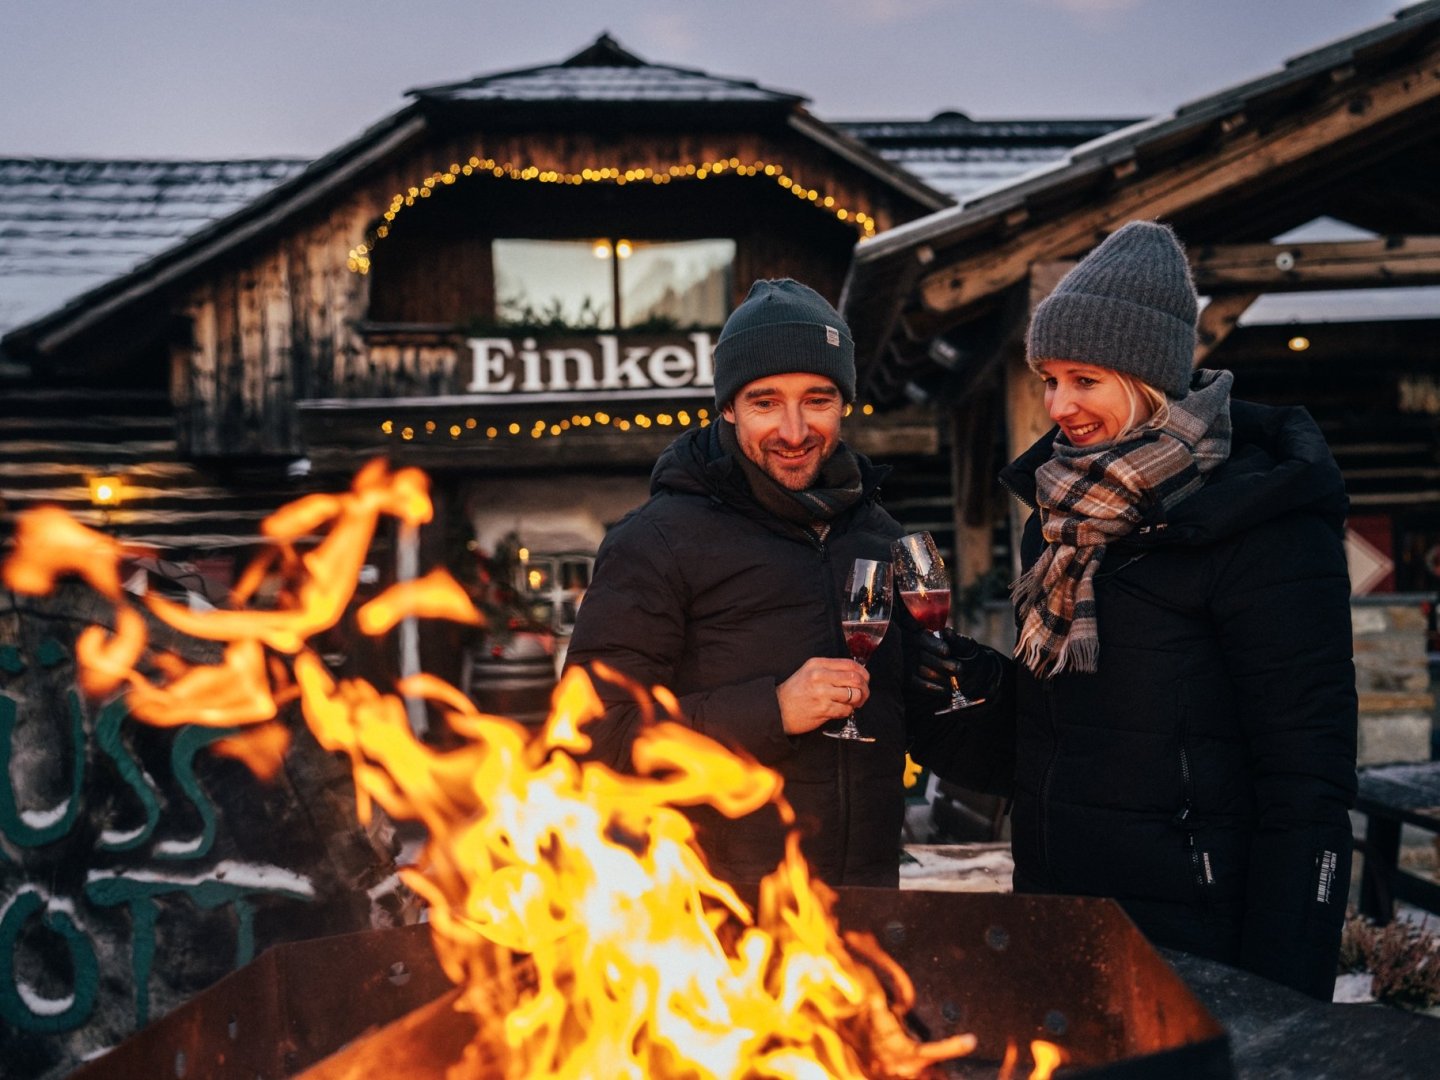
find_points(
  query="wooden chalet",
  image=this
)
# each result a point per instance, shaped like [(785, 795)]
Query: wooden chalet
[(513, 281), (1308, 202)]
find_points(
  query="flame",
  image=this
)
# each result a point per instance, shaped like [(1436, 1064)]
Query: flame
[(261, 748), (570, 904), (435, 596), (56, 544), (1048, 1057)]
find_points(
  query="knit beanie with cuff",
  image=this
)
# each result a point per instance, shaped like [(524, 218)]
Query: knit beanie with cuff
[(1129, 305), (781, 327)]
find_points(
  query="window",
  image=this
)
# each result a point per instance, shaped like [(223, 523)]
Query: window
[(583, 284), (552, 587)]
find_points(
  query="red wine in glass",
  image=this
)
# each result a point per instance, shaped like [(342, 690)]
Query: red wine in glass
[(931, 607), (924, 586), (864, 617), (863, 638)]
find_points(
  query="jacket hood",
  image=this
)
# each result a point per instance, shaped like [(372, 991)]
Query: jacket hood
[(1279, 463), (695, 464)]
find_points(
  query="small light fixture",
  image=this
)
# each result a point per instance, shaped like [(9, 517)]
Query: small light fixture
[(601, 250), (623, 249), (1298, 343), (106, 491)]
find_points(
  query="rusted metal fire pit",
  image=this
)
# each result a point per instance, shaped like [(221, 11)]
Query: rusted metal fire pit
[(1072, 971)]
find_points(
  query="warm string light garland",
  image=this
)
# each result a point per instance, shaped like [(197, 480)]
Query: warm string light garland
[(542, 429), (359, 256)]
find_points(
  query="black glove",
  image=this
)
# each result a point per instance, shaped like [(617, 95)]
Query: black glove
[(953, 661)]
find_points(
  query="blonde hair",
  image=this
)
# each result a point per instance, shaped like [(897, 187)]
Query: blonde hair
[(1149, 405)]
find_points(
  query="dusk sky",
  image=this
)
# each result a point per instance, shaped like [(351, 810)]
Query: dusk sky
[(205, 78)]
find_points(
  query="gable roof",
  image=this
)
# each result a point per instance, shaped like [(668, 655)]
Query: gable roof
[(887, 269), (305, 188), (962, 157), (604, 72), (68, 226), (601, 77)]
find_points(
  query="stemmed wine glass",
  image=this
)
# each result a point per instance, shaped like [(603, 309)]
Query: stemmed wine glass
[(864, 616), (924, 586)]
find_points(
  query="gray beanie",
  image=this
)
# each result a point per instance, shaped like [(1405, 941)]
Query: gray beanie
[(1129, 305), (783, 326)]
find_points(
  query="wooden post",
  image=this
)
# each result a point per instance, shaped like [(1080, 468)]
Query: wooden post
[(971, 466), (1220, 317), (1025, 416), (407, 568)]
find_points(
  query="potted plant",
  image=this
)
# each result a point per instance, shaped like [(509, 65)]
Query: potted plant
[(509, 667)]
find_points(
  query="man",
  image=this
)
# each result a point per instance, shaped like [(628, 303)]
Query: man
[(725, 587)]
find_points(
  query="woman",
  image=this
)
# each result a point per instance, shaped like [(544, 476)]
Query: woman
[(1184, 693)]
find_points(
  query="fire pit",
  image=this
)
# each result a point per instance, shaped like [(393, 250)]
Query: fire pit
[(1072, 971), (568, 902)]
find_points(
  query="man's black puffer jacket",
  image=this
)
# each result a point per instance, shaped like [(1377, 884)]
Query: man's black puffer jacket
[(1202, 774), (703, 591)]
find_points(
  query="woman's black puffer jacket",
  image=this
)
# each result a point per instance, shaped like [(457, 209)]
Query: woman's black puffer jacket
[(1202, 774)]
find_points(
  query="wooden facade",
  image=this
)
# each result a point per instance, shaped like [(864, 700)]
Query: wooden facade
[(1348, 135), (279, 339)]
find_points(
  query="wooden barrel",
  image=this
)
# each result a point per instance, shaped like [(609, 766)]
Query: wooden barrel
[(515, 687)]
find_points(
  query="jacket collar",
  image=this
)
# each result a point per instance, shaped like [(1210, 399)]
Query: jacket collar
[(695, 463), (1279, 463)]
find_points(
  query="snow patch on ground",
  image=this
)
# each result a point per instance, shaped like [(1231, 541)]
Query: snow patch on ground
[(1354, 989)]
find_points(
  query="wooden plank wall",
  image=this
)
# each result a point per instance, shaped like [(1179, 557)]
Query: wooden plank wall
[(277, 327), (281, 322)]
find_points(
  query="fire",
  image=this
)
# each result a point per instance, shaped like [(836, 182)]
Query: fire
[(569, 903)]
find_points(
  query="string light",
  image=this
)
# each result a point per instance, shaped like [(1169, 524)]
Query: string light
[(358, 260), (550, 428)]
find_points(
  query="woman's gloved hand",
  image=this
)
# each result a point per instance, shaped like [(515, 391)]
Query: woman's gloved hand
[(952, 662)]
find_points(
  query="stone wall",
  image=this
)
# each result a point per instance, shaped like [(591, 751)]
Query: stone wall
[(1393, 678)]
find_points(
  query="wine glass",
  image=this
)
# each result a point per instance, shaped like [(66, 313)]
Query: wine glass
[(924, 586), (864, 617)]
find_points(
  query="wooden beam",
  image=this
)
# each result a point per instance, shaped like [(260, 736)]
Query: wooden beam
[(1352, 264), (1218, 320), (1235, 164), (972, 478)]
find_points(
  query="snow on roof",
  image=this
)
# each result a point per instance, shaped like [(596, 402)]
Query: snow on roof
[(959, 156), (961, 171), (601, 84), (69, 225), (604, 71)]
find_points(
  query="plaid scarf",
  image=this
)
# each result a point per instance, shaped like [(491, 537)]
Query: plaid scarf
[(1089, 497), (837, 488)]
